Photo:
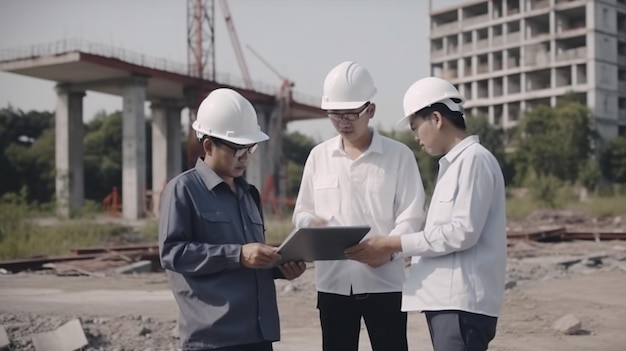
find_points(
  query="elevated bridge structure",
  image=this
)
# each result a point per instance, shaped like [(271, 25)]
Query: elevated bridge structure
[(79, 66)]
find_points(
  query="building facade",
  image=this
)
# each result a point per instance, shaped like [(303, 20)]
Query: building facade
[(508, 56)]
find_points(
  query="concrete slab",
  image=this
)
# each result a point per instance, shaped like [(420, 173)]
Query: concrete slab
[(4, 339), (68, 337)]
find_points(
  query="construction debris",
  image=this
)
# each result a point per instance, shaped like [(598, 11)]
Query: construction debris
[(568, 325), (90, 261), (68, 337), (4, 339), (122, 333), (137, 267), (552, 226)]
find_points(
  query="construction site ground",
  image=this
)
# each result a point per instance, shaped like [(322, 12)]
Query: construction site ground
[(546, 281)]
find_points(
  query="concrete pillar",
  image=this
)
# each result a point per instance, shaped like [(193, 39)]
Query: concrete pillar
[(258, 167), (506, 121), (69, 131), (134, 148), (193, 150), (166, 147), (275, 155)]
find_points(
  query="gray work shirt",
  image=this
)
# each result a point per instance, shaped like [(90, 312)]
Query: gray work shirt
[(203, 225)]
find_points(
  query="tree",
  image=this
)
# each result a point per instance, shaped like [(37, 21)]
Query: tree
[(613, 160), (428, 165), (555, 141), (103, 155), (35, 166), (493, 139), (28, 158), (296, 147)]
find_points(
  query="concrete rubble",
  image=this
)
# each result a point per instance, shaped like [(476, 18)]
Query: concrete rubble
[(92, 333), (4, 339), (136, 267), (568, 325), (68, 337), (529, 262)]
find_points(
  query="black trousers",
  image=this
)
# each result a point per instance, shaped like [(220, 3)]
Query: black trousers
[(261, 346), (460, 331), (341, 315)]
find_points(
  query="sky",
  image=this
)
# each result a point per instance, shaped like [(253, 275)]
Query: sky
[(301, 39)]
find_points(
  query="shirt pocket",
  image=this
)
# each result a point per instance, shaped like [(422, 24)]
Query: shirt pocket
[(380, 197), (444, 204), (257, 228), (326, 196), (216, 228)]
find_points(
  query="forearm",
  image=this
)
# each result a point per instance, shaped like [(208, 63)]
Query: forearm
[(193, 258), (438, 240)]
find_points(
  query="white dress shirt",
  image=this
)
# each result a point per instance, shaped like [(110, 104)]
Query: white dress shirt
[(459, 258), (382, 188)]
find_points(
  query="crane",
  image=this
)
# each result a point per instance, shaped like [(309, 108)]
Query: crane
[(200, 62), (234, 39), (201, 31), (274, 187), (201, 38), (201, 56)]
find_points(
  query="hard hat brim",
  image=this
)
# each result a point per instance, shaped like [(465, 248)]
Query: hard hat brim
[(239, 140), (342, 105), (248, 139), (405, 121), (452, 106)]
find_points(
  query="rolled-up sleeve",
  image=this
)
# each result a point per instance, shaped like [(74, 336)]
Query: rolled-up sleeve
[(177, 249)]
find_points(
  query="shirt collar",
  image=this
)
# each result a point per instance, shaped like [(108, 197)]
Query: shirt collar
[(376, 144), (212, 179), (460, 147)]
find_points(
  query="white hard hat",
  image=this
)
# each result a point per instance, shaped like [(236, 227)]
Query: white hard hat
[(227, 115), (347, 86), (428, 91)]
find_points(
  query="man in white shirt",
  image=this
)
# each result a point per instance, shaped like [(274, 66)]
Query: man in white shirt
[(458, 269), (359, 178)]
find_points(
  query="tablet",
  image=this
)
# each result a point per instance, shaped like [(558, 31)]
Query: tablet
[(320, 243)]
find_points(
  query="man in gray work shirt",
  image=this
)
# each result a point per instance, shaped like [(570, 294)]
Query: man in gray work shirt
[(212, 240)]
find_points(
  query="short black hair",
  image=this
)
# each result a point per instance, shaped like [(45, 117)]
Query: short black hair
[(456, 117)]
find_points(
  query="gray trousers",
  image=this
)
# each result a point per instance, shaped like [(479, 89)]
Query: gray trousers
[(460, 331)]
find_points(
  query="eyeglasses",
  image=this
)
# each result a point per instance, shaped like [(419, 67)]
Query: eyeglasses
[(348, 116), (238, 150)]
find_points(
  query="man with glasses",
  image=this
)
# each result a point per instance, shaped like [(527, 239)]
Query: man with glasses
[(212, 237), (359, 178), (458, 265), (238, 150)]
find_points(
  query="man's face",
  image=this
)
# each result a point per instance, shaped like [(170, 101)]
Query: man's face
[(352, 124), (228, 159), (427, 132)]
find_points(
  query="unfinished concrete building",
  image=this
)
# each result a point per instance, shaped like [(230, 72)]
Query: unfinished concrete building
[(508, 56)]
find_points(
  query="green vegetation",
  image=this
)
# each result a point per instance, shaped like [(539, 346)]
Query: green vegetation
[(550, 153), (22, 236)]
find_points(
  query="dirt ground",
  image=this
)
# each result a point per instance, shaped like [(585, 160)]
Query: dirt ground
[(137, 312)]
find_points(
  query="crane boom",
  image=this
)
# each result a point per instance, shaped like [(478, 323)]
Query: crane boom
[(236, 46), (266, 63)]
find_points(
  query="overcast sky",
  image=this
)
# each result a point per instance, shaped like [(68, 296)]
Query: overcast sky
[(301, 39)]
